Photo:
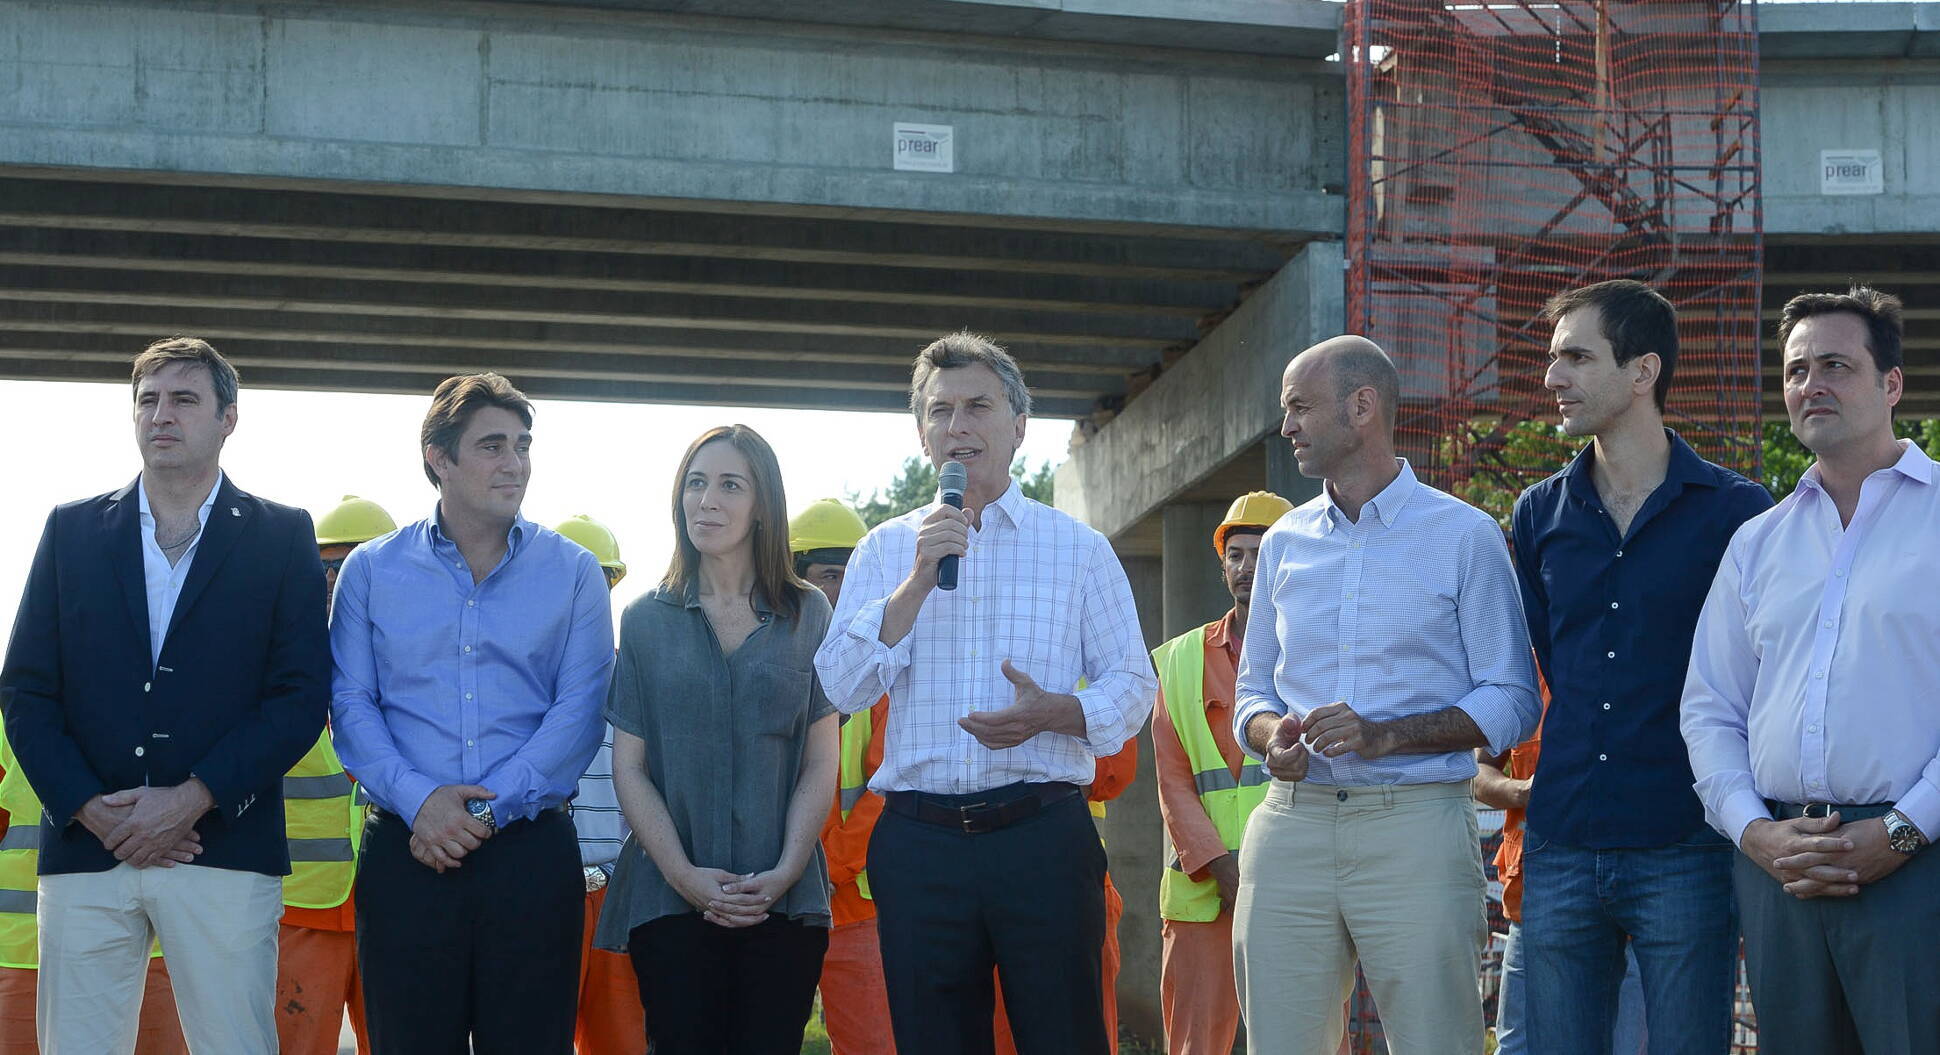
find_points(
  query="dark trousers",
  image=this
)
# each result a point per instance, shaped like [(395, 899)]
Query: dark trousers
[(484, 958), (713, 990), (1845, 976), (1027, 899)]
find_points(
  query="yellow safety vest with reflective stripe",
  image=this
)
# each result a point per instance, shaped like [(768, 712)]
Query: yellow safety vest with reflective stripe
[(1227, 802), (324, 823), (19, 866), (852, 780)]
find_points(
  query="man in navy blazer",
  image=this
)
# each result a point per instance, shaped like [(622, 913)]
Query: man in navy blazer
[(169, 664)]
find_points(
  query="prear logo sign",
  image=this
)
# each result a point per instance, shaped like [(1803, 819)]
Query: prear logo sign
[(924, 148), (1851, 172)]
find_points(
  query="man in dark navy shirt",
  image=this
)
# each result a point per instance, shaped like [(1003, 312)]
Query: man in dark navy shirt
[(1615, 554)]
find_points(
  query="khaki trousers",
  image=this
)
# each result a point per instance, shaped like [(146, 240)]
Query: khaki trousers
[(217, 928), (1390, 876)]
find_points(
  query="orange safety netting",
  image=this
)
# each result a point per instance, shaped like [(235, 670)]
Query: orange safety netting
[(1503, 152)]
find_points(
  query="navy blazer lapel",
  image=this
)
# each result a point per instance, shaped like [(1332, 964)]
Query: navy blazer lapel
[(121, 523), (227, 518)]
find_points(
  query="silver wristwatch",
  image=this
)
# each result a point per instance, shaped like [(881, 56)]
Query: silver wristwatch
[(481, 811), (595, 878), (1901, 835)]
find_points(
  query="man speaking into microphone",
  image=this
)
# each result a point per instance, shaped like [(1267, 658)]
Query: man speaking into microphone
[(986, 855)]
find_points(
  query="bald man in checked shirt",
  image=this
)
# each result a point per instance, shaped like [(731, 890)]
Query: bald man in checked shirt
[(1385, 643)]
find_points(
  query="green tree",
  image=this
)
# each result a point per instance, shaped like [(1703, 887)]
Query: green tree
[(1786, 459), (915, 485), (1495, 461)]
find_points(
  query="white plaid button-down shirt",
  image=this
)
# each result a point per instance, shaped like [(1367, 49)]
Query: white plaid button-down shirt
[(1037, 588)]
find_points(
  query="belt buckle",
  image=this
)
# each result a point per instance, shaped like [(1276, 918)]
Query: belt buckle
[(1818, 809), (972, 825)]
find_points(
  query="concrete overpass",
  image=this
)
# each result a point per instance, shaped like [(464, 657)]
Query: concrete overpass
[(696, 201)]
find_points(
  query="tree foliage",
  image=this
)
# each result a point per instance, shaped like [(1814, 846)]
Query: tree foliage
[(915, 485), (1497, 461)]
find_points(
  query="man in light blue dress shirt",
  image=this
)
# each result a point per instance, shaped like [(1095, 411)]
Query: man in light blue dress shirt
[(1385, 644), (472, 655)]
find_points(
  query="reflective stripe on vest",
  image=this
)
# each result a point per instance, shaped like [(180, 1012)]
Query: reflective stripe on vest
[(324, 822), (1227, 800), (852, 780), (19, 860)]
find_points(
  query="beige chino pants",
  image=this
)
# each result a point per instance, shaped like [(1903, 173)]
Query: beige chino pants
[(218, 930), (1389, 876)]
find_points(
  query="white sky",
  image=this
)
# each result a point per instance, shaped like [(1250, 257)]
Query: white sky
[(612, 461)]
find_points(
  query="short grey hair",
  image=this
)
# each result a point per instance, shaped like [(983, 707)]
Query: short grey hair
[(961, 349), (1364, 365)]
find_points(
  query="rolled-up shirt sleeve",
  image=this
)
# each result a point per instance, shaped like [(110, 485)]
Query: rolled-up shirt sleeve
[(855, 667), (1503, 704), (1118, 671), (1259, 656), (357, 728), (1716, 708)]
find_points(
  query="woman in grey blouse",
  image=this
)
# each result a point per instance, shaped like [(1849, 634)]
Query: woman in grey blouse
[(724, 760)]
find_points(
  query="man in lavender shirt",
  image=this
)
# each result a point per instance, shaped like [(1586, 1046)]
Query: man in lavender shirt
[(1809, 705), (472, 654)]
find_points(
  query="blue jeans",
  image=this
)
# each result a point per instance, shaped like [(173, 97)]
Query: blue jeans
[(1512, 1036), (1671, 905)]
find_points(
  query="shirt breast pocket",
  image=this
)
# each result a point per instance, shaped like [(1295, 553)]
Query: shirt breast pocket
[(776, 700)]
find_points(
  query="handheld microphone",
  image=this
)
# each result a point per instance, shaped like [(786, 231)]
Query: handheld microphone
[(949, 491)]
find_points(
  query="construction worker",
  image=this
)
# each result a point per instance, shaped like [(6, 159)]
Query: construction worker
[(316, 956), (1207, 789), (1110, 776), (611, 1020), (855, 1006), (159, 1032)]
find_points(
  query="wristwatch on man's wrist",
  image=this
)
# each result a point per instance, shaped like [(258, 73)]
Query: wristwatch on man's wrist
[(595, 878), (1901, 834), (481, 810)]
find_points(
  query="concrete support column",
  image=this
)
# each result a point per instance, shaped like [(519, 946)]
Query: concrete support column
[(1195, 593), (1134, 838)]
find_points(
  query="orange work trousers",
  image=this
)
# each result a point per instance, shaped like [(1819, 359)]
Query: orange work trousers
[(160, 1032), (1114, 908), (611, 1021), (855, 1003), (1196, 991), (316, 979)]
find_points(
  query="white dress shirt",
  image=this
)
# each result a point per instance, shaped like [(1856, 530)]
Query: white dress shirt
[(1037, 588), (1816, 666), (164, 580), (1410, 610)]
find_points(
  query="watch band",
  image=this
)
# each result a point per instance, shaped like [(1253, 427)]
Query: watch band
[(482, 812), (1902, 835)]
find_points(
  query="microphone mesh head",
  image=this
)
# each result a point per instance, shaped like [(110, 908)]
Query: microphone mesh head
[(952, 477)]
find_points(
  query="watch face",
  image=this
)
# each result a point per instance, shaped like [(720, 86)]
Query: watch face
[(1903, 837)]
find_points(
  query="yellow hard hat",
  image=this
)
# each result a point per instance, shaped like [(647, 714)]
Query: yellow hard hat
[(597, 537), (827, 524), (1255, 509), (354, 521)]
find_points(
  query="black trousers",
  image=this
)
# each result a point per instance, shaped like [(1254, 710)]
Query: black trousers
[(1028, 900), (1845, 976), (712, 990), (484, 958)]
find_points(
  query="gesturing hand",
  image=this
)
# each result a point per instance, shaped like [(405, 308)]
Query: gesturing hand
[(1035, 711), (1335, 729), (1285, 756), (444, 830), (158, 822)]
